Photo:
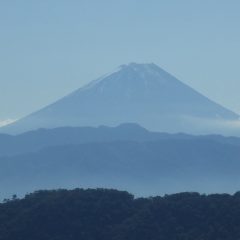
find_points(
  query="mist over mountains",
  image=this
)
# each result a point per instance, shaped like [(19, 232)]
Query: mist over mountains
[(139, 93), (126, 157), (135, 154), (132, 130)]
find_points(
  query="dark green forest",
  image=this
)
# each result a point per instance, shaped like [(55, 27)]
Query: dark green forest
[(101, 214)]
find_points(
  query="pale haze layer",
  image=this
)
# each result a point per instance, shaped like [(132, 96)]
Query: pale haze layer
[(50, 48)]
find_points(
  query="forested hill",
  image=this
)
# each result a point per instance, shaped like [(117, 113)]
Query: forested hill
[(116, 215)]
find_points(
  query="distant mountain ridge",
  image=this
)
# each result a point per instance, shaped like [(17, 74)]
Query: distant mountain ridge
[(139, 93), (126, 157), (38, 139)]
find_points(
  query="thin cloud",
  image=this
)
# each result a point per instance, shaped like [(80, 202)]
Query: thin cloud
[(6, 122)]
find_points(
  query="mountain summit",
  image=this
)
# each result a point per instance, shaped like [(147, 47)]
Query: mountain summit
[(139, 93)]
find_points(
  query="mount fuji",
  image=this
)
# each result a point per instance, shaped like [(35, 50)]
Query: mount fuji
[(139, 93)]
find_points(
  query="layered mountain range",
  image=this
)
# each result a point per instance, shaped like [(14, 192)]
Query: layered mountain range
[(131, 129), (126, 157)]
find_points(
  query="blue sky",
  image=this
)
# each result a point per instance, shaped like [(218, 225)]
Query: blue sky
[(50, 47)]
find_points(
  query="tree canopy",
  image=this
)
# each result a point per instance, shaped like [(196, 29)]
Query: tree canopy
[(101, 214)]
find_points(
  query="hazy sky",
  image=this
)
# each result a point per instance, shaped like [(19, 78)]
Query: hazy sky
[(50, 47)]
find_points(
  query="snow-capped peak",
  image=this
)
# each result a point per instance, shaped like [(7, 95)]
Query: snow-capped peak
[(131, 73), (139, 93)]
